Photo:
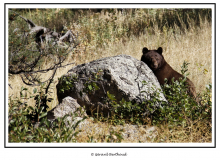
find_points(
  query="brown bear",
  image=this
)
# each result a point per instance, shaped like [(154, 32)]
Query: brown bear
[(155, 60)]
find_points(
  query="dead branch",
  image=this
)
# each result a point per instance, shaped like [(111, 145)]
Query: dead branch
[(43, 35)]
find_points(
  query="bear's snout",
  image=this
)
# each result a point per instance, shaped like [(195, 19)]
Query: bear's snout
[(154, 63)]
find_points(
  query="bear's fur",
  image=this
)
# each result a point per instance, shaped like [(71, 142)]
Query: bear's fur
[(156, 62)]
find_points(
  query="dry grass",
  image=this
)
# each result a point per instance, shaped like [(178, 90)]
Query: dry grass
[(197, 132), (193, 46)]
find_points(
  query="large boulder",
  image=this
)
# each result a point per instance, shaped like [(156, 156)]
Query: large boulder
[(120, 75)]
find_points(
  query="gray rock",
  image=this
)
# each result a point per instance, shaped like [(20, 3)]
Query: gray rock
[(130, 133), (70, 107), (120, 75)]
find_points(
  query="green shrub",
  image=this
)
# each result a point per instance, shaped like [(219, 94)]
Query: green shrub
[(179, 110), (129, 112), (30, 124), (182, 107)]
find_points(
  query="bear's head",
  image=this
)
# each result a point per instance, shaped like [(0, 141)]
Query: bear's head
[(153, 58)]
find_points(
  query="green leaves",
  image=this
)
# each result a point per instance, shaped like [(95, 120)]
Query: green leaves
[(184, 67), (128, 112), (66, 83), (90, 87), (43, 114), (111, 96), (21, 125), (34, 90), (181, 106)]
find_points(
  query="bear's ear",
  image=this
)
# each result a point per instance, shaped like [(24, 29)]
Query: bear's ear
[(145, 50), (160, 50)]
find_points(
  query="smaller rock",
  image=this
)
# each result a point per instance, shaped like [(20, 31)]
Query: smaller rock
[(69, 105), (130, 133)]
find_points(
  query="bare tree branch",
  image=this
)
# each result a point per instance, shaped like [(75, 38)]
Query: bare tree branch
[(43, 38)]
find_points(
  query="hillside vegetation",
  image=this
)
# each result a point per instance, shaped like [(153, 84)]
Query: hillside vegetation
[(184, 34)]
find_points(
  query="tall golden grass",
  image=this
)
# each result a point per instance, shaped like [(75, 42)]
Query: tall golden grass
[(193, 46)]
